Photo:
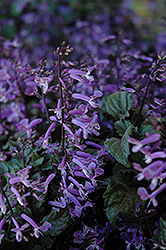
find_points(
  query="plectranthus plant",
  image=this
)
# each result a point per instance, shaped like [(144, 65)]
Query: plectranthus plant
[(82, 130), (137, 187), (46, 178)]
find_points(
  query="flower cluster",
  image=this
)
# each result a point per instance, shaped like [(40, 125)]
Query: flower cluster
[(155, 171), (19, 189)]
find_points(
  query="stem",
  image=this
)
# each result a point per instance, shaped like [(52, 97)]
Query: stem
[(23, 157), (45, 107), (61, 98), (46, 110), (142, 104), (3, 193)]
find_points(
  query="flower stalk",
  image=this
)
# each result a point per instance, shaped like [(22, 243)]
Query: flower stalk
[(61, 98)]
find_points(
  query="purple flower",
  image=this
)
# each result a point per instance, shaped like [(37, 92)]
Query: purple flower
[(88, 99), (74, 138), (18, 229), (57, 111), (26, 126), (44, 227), (151, 172), (2, 222), (81, 76), (24, 175), (87, 168), (61, 204), (44, 82), (88, 126), (2, 204), (144, 194), (42, 187), (20, 199), (140, 144), (45, 139), (150, 156)]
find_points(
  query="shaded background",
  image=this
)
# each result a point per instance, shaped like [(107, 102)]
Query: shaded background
[(41, 25)]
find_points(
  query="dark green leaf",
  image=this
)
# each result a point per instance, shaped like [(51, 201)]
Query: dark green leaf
[(46, 241), (119, 198), (160, 237), (37, 247), (13, 166), (121, 126), (118, 104), (36, 160), (163, 229), (119, 148), (59, 221), (147, 128)]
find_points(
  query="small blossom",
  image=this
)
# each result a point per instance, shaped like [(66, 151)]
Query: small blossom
[(2, 222), (58, 110), (24, 175), (61, 204), (20, 199), (26, 126), (144, 194), (44, 82), (45, 139), (18, 229), (42, 187), (140, 144), (150, 156), (88, 126), (44, 227), (2, 204), (88, 99)]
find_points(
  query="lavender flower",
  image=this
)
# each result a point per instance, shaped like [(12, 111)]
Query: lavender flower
[(18, 229), (144, 194), (20, 199), (44, 227), (45, 139), (24, 175), (80, 75), (140, 144), (26, 126), (44, 82), (57, 111), (87, 125), (61, 204), (2, 204), (88, 99), (42, 187), (2, 222), (150, 156)]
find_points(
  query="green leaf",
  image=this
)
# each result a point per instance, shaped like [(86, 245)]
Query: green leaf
[(160, 237), (119, 148), (119, 198), (119, 103), (12, 166), (36, 160), (147, 128), (37, 247), (59, 221), (47, 242), (121, 126), (163, 229)]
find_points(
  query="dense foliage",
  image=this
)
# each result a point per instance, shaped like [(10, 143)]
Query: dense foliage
[(82, 126)]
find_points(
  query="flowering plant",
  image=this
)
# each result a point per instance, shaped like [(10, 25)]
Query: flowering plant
[(82, 133)]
